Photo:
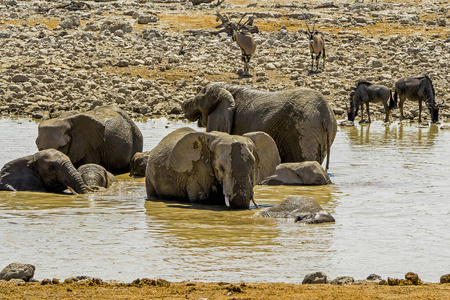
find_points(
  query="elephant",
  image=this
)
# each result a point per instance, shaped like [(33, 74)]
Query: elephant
[(210, 167), (95, 176), (45, 171), (302, 173), (138, 164), (300, 121), (302, 209), (105, 135)]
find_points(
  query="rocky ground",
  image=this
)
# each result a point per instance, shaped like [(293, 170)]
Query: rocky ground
[(148, 56)]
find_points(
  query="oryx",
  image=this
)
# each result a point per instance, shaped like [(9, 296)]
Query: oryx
[(245, 41), (316, 45)]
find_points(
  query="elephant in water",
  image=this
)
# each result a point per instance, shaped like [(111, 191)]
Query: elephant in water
[(104, 136), (95, 176), (210, 167), (303, 173), (46, 171), (300, 121), (300, 208), (139, 164)]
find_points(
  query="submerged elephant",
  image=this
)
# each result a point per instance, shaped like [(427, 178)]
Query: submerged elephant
[(95, 176), (139, 164), (303, 173), (210, 167), (104, 136), (46, 171), (300, 121), (300, 208)]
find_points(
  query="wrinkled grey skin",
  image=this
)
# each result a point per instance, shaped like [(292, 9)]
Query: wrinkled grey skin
[(303, 173), (95, 176), (302, 209), (104, 136), (300, 121), (210, 168), (139, 164), (46, 171)]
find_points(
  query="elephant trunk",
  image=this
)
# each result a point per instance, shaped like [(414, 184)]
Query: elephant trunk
[(70, 177), (239, 194)]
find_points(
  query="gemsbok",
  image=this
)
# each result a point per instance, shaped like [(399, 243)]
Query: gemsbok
[(245, 41), (316, 45)]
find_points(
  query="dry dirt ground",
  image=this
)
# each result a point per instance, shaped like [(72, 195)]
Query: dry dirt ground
[(190, 290)]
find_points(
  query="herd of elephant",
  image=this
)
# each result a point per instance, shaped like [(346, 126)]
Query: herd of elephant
[(252, 137)]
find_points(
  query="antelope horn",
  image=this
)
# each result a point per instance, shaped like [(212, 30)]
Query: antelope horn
[(304, 18), (239, 27)]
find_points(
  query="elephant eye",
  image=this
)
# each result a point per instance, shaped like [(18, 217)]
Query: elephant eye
[(221, 168)]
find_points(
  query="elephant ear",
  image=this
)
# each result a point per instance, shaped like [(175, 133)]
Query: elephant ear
[(190, 149), (222, 116), (266, 154), (87, 135)]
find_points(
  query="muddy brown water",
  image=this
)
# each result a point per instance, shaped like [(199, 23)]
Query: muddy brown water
[(390, 199)]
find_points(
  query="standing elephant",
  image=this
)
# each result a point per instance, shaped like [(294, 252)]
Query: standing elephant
[(46, 171), (95, 176), (105, 135), (210, 167), (300, 121)]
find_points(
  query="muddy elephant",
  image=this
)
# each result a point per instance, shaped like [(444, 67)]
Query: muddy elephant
[(96, 177), (139, 164), (105, 135), (210, 167), (45, 171), (300, 121), (302, 173), (299, 208)]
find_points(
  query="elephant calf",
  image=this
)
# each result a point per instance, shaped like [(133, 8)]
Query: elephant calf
[(139, 164), (46, 171), (95, 176), (300, 208), (303, 173), (210, 167)]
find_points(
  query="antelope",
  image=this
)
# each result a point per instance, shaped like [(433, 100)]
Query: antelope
[(316, 45), (245, 41)]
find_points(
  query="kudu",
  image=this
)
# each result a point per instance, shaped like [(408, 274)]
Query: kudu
[(316, 45), (245, 41), (417, 89), (366, 92)]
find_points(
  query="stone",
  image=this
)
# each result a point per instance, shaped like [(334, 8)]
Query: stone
[(20, 78), (17, 271), (70, 22), (315, 278), (445, 278), (341, 280)]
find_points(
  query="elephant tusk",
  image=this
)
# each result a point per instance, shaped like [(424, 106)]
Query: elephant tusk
[(227, 201)]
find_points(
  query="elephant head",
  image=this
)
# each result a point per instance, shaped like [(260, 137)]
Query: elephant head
[(213, 107), (47, 170), (237, 163), (77, 135)]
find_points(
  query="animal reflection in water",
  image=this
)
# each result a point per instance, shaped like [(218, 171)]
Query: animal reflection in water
[(374, 135), (365, 93), (417, 89)]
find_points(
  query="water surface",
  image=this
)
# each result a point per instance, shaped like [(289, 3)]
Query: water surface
[(389, 199)]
